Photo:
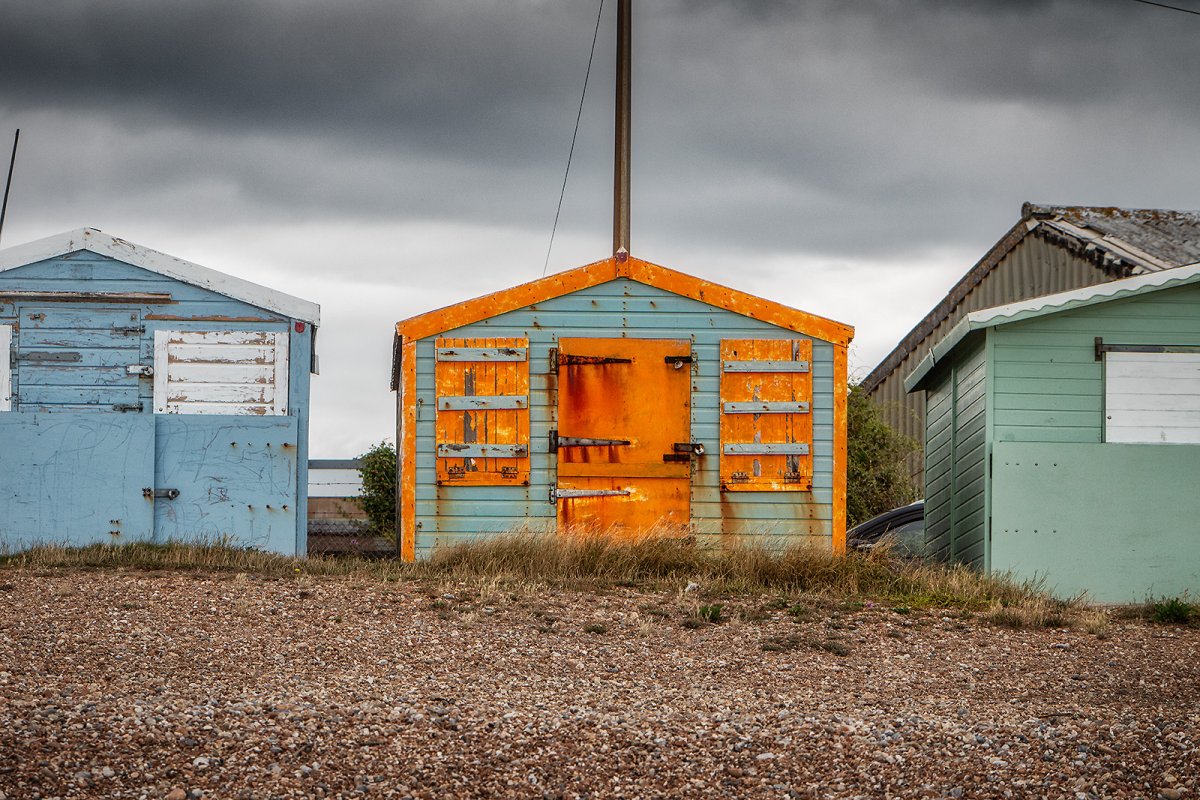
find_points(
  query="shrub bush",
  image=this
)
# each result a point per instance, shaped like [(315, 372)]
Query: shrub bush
[(877, 476), (378, 472)]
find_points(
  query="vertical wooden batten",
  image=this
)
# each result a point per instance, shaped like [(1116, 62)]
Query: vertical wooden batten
[(407, 450), (841, 392)]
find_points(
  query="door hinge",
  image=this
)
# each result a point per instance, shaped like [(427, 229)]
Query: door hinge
[(557, 494), (557, 441), (168, 494)]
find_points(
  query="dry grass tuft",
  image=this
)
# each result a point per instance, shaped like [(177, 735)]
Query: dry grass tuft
[(1035, 612), (519, 561)]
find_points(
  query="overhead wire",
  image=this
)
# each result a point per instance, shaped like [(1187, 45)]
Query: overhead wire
[(1164, 5), (571, 153)]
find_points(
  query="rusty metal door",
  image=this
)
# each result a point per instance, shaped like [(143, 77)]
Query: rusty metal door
[(623, 440)]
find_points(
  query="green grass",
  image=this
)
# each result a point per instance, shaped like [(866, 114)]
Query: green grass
[(1172, 611), (590, 562)]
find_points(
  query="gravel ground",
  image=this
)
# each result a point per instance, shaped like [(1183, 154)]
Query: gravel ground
[(182, 685)]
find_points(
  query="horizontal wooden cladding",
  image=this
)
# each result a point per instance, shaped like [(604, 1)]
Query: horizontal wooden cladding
[(765, 366), (483, 354), (141, 298), (482, 402), (766, 408)]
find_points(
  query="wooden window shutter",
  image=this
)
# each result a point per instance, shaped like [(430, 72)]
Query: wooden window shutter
[(766, 415), (221, 372), (482, 411)]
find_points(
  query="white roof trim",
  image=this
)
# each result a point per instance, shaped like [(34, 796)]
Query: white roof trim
[(1050, 304), (103, 244)]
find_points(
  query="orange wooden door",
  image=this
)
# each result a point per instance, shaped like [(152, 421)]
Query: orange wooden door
[(623, 407)]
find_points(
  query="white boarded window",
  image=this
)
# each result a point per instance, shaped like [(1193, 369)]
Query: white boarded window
[(5, 367), (1152, 398), (220, 372)]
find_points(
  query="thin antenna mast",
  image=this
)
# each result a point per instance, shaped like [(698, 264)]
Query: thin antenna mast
[(8, 184), (621, 156)]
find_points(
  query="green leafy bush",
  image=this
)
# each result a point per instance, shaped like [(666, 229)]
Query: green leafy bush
[(877, 476), (378, 472)]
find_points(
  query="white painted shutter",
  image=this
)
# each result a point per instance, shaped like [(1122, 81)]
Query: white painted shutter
[(220, 372), (1152, 398), (5, 367)]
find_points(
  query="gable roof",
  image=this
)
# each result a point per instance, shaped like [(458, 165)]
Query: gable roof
[(609, 269), (1118, 241), (96, 241), (635, 269), (1050, 304)]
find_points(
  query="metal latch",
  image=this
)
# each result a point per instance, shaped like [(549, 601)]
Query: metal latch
[(684, 452), (130, 329), (123, 407), (140, 369), (557, 494), (557, 441), (168, 494), (678, 361)]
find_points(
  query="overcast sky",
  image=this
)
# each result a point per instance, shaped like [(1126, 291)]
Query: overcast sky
[(851, 158)]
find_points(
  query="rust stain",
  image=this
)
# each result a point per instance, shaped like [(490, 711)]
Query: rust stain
[(744, 473), (645, 401)]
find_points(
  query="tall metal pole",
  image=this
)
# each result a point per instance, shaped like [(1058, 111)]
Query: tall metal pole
[(8, 184), (621, 156)]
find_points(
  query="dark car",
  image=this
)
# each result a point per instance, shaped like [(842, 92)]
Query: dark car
[(903, 528)]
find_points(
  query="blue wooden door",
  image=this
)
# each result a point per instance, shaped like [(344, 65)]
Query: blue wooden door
[(226, 478), (78, 359), (75, 478)]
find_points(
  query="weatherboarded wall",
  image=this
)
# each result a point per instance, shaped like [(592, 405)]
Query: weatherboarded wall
[(1062, 504), (956, 461), (1049, 385), (237, 475), (623, 308)]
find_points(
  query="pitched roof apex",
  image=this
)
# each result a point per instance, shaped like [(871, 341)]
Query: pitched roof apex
[(635, 269), (96, 241)]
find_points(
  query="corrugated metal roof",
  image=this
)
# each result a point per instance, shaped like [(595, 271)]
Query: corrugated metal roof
[(1119, 241), (1050, 304)]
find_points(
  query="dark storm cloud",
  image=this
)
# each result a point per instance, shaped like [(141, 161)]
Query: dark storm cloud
[(826, 126)]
